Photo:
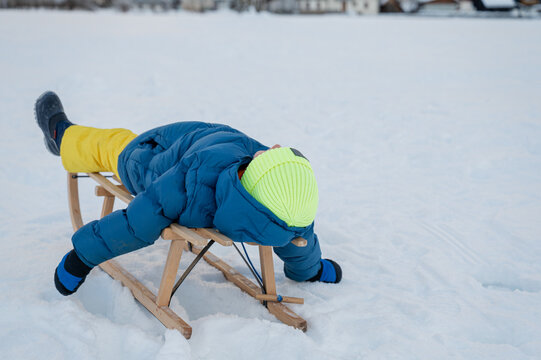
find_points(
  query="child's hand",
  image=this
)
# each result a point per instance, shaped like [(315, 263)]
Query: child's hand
[(276, 146)]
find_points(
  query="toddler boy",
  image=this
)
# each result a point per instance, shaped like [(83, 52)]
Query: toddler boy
[(199, 175)]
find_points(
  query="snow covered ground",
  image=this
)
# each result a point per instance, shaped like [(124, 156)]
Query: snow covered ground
[(425, 135)]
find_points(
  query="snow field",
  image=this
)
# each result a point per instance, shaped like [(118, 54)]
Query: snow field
[(425, 136)]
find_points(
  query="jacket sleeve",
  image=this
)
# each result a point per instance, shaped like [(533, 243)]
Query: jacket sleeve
[(137, 226)]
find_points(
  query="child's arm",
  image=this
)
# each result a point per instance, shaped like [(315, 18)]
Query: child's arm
[(137, 226), (306, 264), (301, 263)]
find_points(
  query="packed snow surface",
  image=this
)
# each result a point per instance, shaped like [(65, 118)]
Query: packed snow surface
[(425, 136)]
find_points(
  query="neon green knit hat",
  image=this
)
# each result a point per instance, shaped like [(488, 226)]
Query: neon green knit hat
[(283, 181)]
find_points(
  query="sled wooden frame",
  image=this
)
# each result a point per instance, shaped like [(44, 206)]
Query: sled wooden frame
[(183, 238)]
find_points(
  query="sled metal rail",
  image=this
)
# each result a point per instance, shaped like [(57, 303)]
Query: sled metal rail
[(183, 238)]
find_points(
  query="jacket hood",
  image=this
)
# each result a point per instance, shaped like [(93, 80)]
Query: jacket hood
[(243, 219)]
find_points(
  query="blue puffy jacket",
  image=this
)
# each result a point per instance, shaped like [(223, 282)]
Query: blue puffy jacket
[(188, 173)]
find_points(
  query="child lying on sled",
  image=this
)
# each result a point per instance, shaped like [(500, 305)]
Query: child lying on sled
[(197, 174)]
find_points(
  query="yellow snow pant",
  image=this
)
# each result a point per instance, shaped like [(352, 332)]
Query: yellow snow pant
[(87, 149)]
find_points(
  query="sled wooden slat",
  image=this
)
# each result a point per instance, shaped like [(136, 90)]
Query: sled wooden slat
[(179, 236), (188, 234), (163, 313), (123, 195), (168, 234), (100, 190), (213, 234)]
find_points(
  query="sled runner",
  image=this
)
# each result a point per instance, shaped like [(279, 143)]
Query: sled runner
[(196, 240)]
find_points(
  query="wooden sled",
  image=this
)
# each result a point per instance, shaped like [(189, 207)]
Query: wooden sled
[(196, 240)]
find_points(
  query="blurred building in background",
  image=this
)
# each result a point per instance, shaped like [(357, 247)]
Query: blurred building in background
[(436, 7)]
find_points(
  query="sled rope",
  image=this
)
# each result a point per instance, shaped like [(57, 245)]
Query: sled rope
[(259, 278), (252, 269), (251, 264), (256, 275)]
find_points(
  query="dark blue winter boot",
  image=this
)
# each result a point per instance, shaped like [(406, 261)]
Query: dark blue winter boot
[(70, 274), (51, 119), (330, 272)]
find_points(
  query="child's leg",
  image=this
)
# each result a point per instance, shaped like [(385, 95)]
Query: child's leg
[(87, 149), (301, 263)]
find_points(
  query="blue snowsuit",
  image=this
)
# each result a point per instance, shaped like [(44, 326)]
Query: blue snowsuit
[(187, 173)]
